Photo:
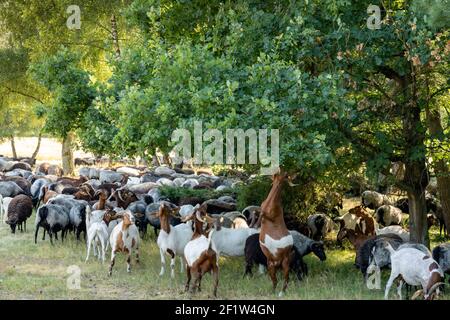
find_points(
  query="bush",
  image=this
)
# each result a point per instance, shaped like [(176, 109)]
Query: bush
[(175, 194)]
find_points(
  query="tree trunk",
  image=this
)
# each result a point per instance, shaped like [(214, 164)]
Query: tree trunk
[(67, 155), (36, 151), (440, 167), (13, 147), (115, 36), (416, 174)]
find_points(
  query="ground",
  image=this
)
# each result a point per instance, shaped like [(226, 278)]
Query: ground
[(40, 271)]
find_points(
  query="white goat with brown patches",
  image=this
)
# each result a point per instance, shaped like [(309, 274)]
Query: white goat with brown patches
[(124, 238), (415, 268)]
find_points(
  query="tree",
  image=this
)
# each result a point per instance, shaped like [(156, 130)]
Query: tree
[(72, 93)]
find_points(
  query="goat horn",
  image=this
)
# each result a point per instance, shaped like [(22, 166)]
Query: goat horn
[(416, 294), (434, 287), (120, 196), (197, 214)]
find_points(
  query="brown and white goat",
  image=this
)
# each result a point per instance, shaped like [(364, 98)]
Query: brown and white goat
[(355, 237), (275, 240), (124, 238), (200, 253), (416, 268)]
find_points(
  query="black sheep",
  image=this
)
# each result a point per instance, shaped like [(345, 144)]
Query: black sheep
[(19, 210), (254, 255), (52, 218)]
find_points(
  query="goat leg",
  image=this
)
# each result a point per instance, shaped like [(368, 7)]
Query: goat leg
[(113, 256), (215, 272), (129, 262), (272, 273), (188, 273)]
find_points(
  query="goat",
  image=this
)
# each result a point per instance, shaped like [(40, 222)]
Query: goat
[(415, 268), (19, 210), (357, 239), (200, 253), (275, 240), (171, 240), (97, 235), (124, 238), (230, 242)]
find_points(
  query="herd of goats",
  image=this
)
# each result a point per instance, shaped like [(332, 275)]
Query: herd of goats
[(114, 207)]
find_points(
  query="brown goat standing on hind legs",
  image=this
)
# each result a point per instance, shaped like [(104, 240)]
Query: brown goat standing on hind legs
[(275, 240)]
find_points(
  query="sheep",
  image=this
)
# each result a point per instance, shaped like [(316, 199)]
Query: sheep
[(374, 200), (36, 189), (441, 254), (164, 171), (364, 255), (230, 242), (23, 183), (142, 188), (200, 253), (172, 240), (55, 170), (108, 176), (305, 245), (19, 210), (398, 230), (52, 218), (165, 182), (186, 210), (131, 172), (77, 212), (388, 215), (190, 183), (320, 225), (10, 189), (415, 268), (124, 238)]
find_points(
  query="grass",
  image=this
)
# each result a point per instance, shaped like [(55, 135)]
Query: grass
[(39, 271)]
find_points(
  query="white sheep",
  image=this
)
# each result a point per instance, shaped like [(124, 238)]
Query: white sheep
[(388, 215), (415, 268), (374, 200), (398, 230)]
